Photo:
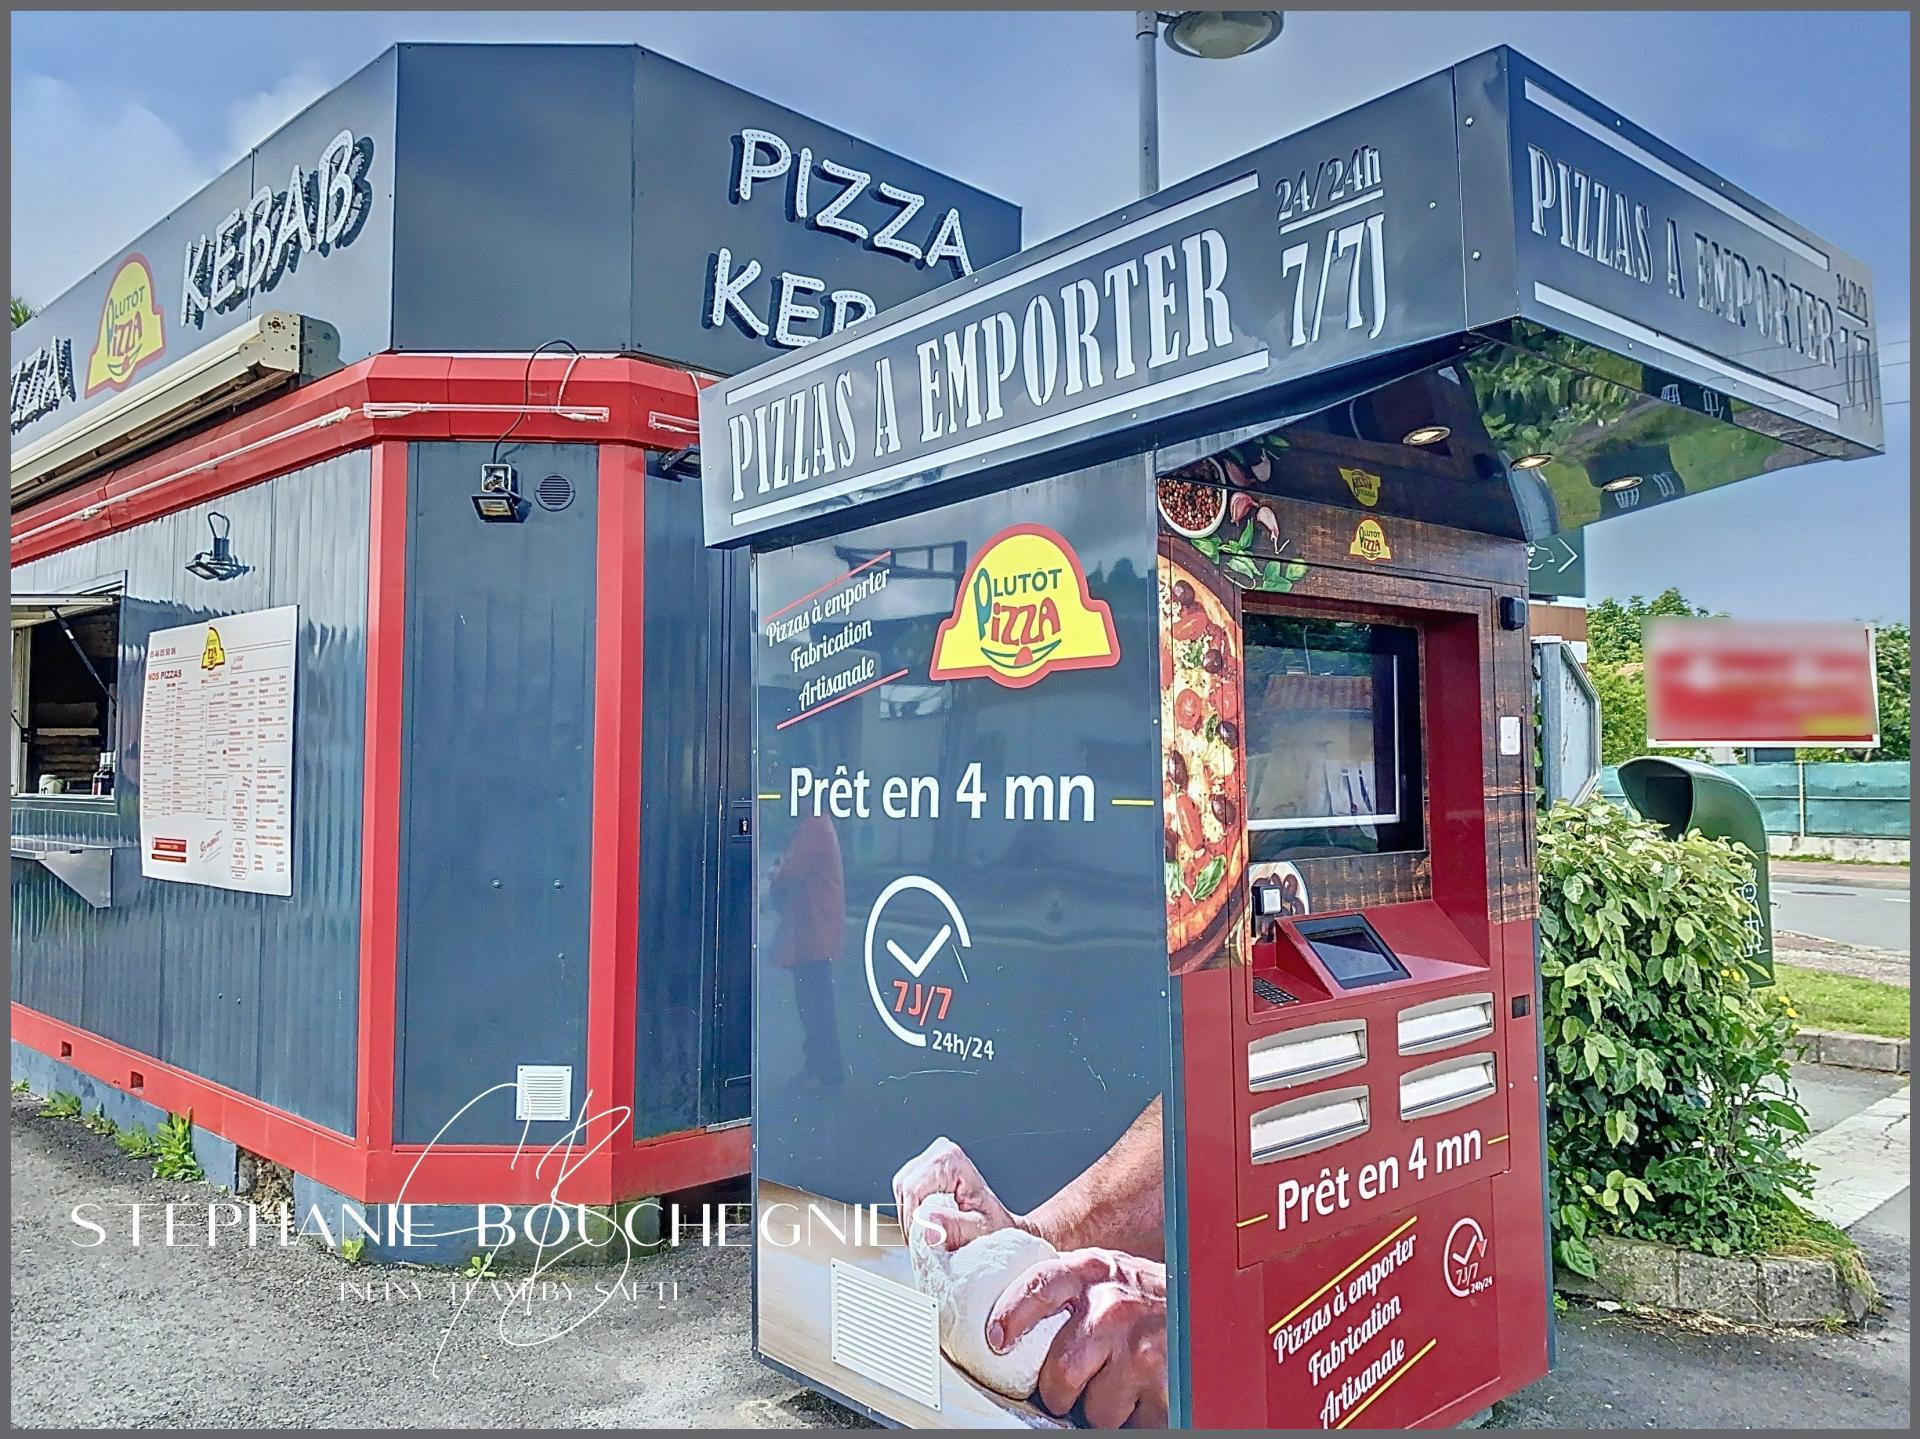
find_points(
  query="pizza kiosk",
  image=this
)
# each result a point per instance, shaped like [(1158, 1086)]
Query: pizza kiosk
[(380, 762), (1143, 755)]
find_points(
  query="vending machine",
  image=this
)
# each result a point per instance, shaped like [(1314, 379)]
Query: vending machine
[(1146, 1010)]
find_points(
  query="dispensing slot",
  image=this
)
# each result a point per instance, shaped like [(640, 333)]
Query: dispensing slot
[(1311, 1122), (1450, 1084), (1440, 1023), (1302, 1055)]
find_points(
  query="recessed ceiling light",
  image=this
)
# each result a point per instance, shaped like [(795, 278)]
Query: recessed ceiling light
[(1426, 435), (1532, 462), (1625, 482)]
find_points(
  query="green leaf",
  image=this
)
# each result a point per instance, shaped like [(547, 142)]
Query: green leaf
[(1575, 1254), (1208, 880)]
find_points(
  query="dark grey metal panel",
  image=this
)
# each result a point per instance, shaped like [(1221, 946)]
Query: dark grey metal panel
[(516, 204), (869, 234), (255, 992), (497, 794), (692, 971)]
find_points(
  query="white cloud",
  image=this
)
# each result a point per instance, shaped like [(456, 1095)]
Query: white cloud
[(258, 115), (88, 175)]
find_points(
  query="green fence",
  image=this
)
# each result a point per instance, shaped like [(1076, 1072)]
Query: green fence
[(1854, 801)]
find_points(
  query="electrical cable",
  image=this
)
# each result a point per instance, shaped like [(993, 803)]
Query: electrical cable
[(526, 390)]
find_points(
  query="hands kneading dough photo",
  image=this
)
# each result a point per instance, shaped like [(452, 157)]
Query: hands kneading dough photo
[(967, 1283), (1064, 1306)]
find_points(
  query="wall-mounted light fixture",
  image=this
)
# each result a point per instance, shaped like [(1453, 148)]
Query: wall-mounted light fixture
[(499, 500), (217, 563), (1532, 462), (682, 463), (1426, 435)]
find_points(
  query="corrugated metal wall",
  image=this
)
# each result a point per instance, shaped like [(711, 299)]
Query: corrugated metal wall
[(497, 801), (254, 992), (693, 972)]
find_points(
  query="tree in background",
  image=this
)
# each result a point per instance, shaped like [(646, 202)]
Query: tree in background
[(22, 312), (1893, 667), (1616, 632), (1615, 657)]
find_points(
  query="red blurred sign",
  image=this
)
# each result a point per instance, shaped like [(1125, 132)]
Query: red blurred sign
[(1747, 682)]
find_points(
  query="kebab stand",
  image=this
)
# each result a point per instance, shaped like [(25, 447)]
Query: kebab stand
[(1143, 755), (381, 796)]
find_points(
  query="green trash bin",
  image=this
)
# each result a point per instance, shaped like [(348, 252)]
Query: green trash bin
[(1683, 794)]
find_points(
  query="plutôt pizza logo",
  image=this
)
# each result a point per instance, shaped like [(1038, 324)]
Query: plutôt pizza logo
[(130, 329), (1023, 612)]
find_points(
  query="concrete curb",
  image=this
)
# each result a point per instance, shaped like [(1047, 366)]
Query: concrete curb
[(1857, 1051), (1766, 1289)]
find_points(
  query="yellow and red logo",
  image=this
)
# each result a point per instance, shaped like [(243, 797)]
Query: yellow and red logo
[(212, 654), (1023, 612), (1370, 541), (130, 330)]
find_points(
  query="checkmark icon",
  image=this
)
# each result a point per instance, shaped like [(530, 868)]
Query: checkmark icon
[(918, 967)]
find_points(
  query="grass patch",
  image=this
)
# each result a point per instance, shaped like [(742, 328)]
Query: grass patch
[(1790, 1230), (1844, 1002)]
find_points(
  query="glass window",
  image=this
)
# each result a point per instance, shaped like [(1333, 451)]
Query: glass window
[(1333, 736)]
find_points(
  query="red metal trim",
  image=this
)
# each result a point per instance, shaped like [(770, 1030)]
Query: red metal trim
[(380, 793), (453, 1174), (613, 923), (303, 1146), (647, 404), (501, 1174)]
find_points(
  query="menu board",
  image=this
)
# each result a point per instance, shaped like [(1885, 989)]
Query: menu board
[(216, 753)]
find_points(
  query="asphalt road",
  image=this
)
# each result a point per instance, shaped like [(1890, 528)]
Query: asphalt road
[(1869, 907)]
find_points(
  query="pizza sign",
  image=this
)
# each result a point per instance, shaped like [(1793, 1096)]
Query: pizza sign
[(1023, 611), (131, 332)]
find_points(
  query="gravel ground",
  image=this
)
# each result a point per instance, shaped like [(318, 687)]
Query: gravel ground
[(117, 1336), (1859, 960)]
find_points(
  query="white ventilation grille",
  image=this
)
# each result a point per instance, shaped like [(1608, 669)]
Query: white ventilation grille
[(543, 1091), (886, 1331)]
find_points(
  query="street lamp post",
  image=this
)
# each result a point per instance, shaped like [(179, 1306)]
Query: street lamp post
[(1201, 35), (1146, 33)]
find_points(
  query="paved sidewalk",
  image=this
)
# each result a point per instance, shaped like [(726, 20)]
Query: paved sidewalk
[(1863, 1161)]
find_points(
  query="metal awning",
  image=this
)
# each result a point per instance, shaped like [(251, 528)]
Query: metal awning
[(30, 609), (266, 354)]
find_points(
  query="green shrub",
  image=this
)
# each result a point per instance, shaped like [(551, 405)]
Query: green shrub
[(173, 1149), (135, 1141), (1669, 1112), (60, 1105)]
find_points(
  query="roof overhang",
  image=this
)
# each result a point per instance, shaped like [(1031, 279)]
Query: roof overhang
[(269, 353)]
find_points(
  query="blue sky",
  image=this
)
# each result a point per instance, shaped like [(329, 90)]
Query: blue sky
[(118, 117)]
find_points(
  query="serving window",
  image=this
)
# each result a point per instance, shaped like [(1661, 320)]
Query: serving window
[(66, 673), (1333, 740)]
